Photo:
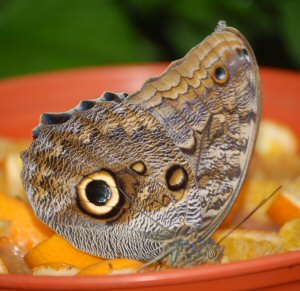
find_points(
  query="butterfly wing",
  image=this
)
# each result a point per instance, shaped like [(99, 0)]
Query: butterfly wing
[(193, 128), (124, 151), (209, 103)]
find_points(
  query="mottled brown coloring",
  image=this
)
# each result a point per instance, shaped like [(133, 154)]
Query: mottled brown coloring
[(200, 115)]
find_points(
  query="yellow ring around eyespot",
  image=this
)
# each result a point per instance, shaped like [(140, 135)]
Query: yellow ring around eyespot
[(92, 208), (222, 69)]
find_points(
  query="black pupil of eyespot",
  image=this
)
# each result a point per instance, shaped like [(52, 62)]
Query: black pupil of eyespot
[(220, 73), (98, 192)]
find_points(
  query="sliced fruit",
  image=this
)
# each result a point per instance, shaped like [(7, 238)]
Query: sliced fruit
[(276, 152), (258, 189), (26, 230), (5, 228), (3, 269), (12, 175), (11, 166), (55, 269), (57, 250), (12, 256), (286, 205), (275, 139), (116, 266), (290, 233), (249, 244)]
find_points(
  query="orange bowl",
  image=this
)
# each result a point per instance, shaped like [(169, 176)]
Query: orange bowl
[(23, 99)]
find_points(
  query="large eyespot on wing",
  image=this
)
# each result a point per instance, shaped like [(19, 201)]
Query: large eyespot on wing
[(99, 195)]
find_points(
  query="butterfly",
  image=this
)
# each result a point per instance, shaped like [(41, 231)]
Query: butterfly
[(151, 175)]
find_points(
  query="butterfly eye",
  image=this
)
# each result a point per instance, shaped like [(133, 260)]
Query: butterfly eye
[(212, 253), (98, 193), (176, 178), (220, 74), (139, 167)]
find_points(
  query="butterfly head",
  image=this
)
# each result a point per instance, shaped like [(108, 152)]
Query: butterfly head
[(213, 252), (188, 250)]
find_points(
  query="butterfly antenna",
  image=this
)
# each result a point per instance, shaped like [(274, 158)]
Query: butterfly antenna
[(251, 213)]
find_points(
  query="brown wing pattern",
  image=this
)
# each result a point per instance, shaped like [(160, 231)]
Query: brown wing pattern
[(209, 104), (167, 160)]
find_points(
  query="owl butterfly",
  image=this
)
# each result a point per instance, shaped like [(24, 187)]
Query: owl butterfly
[(151, 175)]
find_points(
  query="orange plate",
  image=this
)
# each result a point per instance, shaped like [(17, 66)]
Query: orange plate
[(23, 99)]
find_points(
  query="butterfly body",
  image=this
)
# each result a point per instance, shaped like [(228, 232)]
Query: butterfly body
[(151, 175), (190, 249)]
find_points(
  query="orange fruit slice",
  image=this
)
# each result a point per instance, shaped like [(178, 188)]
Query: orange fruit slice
[(57, 250), (26, 230), (258, 189), (55, 269), (290, 233), (249, 244), (115, 266), (286, 205)]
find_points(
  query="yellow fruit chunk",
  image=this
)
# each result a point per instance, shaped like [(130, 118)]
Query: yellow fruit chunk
[(249, 244), (26, 230), (277, 152), (286, 205), (11, 166), (55, 269), (12, 176), (57, 250), (5, 228), (3, 269), (275, 139), (12, 256), (116, 266), (290, 233)]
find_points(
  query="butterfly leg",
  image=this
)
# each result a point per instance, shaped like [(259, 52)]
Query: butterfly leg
[(160, 257)]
